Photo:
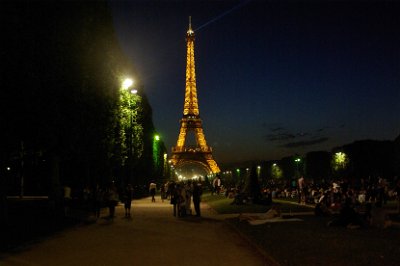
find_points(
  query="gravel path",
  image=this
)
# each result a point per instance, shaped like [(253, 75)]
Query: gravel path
[(152, 236)]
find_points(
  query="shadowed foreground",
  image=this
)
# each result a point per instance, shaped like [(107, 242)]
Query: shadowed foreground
[(152, 236)]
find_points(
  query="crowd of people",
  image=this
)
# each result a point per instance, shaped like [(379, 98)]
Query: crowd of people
[(96, 198), (349, 205), (180, 194)]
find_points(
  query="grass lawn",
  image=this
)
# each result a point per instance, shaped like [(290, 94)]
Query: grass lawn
[(311, 242), (223, 205)]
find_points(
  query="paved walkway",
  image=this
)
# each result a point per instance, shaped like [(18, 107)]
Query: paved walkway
[(151, 237)]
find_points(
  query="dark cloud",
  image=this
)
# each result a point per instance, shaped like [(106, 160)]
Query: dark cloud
[(303, 134), (282, 136), (304, 143), (275, 129), (279, 137), (322, 129)]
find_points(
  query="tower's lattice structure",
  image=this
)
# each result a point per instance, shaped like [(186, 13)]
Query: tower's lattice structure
[(191, 122)]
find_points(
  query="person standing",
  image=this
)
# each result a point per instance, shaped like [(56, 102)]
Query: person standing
[(163, 193), (188, 200), (197, 192), (217, 184), (128, 200), (172, 188), (397, 190), (112, 200), (301, 190), (67, 199), (152, 190), (98, 197)]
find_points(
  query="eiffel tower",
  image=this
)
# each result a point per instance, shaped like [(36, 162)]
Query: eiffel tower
[(201, 153)]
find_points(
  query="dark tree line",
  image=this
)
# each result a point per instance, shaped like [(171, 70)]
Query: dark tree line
[(364, 160), (62, 70)]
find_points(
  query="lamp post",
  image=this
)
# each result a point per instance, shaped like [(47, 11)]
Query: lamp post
[(297, 161), (156, 154), (126, 86)]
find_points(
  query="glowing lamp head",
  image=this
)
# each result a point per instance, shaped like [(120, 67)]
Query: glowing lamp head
[(127, 83)]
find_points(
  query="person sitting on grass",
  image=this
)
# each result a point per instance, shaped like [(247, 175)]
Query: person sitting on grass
[(274, 212), (239, 199), (348, 217), (378, 217), (321, 209)]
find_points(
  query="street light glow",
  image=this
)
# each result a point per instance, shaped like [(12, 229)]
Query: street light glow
[(340, 160), (127, 83)]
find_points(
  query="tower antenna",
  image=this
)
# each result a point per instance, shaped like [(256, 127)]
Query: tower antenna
[(190, 31)]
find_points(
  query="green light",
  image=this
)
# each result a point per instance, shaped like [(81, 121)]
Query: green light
[(340, 160), (340, 157), (157, 137)]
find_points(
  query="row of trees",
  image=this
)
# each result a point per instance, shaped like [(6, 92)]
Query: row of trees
[(65, 118), (366, 160)]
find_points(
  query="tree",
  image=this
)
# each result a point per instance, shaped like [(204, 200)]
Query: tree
[(61, 91), (252, 186), (318, 165)]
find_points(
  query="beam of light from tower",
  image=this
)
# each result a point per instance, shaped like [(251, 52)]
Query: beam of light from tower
[(223, 14)]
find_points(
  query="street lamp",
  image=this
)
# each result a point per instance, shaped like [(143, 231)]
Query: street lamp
[(156, 153), (127, 83), (340, 161), (298, 160), (126, 86)]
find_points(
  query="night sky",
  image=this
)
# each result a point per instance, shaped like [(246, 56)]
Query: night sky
[(274, 78)]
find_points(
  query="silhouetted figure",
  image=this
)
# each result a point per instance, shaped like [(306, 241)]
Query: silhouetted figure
[(197, 192), (128, 194), (67, 199), (348, 217), (397, 190), (112, 200), (98, 198), (163, 193), (152, 190), (173, 189)]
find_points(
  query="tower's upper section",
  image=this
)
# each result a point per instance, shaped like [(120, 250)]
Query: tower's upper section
[(191, 106), (190, 32)]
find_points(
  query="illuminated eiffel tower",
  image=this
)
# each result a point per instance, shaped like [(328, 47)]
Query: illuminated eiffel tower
[(191, 121)]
